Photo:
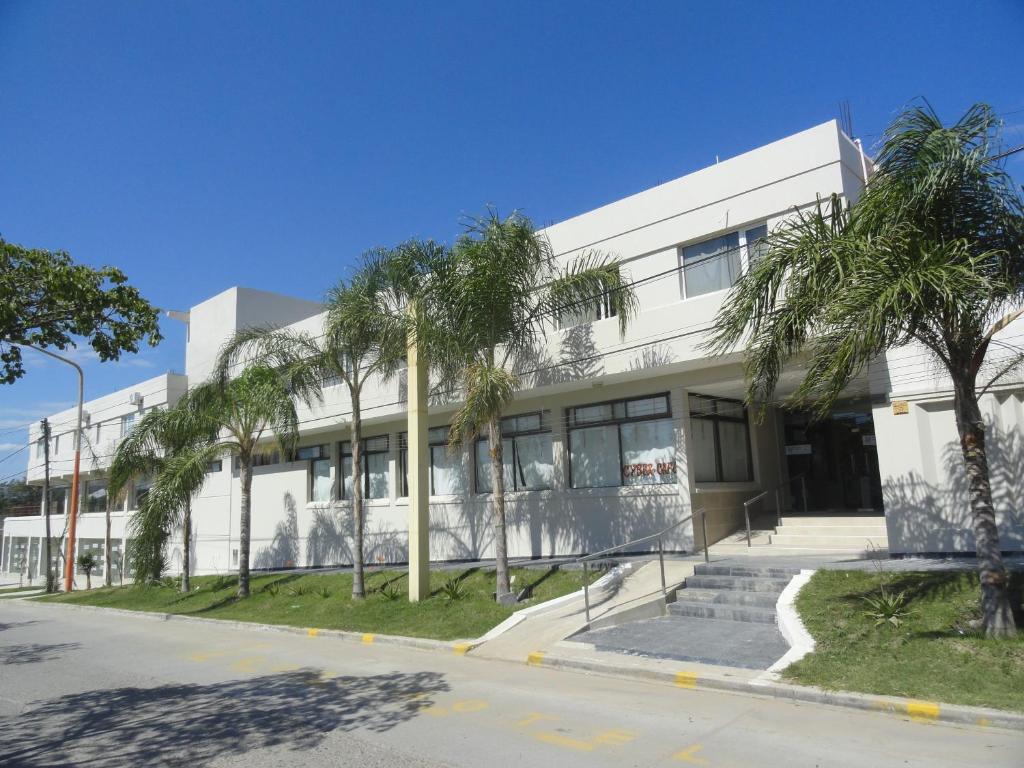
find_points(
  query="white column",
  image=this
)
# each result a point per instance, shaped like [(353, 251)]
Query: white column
[(419, 499)]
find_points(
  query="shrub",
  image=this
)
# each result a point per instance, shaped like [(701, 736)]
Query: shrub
[(453, 589), (887, 607)]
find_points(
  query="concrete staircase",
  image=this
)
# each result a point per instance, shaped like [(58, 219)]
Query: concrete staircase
[(732, 593), (796, 535)]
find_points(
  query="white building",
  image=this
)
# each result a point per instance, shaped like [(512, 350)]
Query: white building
[(610, 438)]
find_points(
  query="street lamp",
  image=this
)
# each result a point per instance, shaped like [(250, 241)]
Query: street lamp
[(69, 560)]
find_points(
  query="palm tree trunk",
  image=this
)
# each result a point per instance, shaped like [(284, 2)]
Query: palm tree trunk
[(498, 495), (245, 473), (358, 585), (995, 603), (186, 545)]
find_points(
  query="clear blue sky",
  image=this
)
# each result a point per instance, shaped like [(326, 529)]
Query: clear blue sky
[(199, 145)]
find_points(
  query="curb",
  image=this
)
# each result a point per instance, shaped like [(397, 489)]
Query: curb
[(916, 710)]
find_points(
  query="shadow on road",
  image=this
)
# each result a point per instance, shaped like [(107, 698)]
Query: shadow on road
[(189, 725), (30, 653)]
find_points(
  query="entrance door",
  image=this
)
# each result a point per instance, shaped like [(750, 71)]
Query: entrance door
[(837, 458)]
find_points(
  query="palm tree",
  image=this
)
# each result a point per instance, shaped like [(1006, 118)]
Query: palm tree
[(363, 337), (159, 438), (487, 307), (930, 255)]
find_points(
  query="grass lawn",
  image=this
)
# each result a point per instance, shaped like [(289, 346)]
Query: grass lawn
[(324, 600), (934, 654), (15, 591)]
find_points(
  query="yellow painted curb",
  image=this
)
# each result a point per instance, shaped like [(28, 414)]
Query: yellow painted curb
[(368, 639), (686, 679), (462, 649), (535, 659), (313, 632), (923, 711)]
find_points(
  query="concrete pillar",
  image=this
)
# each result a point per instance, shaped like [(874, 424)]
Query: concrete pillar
[(419, 490)]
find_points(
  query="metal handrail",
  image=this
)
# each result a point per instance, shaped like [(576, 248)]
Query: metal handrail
[(778, 501), (585, 559)]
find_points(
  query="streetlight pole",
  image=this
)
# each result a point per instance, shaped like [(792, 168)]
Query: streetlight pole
[(69, 559)]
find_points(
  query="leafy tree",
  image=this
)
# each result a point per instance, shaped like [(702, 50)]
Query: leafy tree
[(46, 300), (486, 308), (363, 337), (932, 254), (87, 562), (161, 437), (16, 494)]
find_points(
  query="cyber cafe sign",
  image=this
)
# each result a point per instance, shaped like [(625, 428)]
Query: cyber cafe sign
[(653, 469)]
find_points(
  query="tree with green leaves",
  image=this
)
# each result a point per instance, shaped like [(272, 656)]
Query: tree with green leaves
[(364, 336), (159, 440), (87, 562), (932, 254), (46, 300), (486, 308)]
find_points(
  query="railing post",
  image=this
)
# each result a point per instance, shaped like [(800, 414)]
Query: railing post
[(704, 533), (746, 517), (586, 592), (661, 563), (803, 492)]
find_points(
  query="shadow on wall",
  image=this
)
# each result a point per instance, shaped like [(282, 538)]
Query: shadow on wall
[(187, 725), (283, 551), (578, 360), (927, 517)]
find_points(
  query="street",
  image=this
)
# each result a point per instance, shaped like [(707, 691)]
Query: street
[(89, 688)]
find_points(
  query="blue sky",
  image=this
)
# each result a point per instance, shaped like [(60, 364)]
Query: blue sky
[(199, 145)]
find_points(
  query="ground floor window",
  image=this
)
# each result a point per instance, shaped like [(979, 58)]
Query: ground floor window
[(376, 476), (526, 454), (721, 440), (445, 464), (622, 442)]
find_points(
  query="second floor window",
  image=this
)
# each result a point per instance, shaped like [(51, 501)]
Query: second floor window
[(715, 264), (127, 424), (375, 463)]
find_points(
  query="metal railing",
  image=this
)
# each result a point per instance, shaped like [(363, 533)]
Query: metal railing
[(659, 536), (778, 500)]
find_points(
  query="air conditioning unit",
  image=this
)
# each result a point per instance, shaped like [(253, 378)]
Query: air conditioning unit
[(135, 398)]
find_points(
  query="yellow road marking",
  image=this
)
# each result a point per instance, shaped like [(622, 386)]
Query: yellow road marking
[(686, 679), (247, 664), (313, 632), (923, 711), (368, 639), (462, 648), (207, 655), (535, 659), (534, 717), (615, 738), (472, 705), (689, 755), (550, 737)]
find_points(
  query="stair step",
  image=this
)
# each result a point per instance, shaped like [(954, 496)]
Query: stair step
[(705, 610), (745, 584), (829, 542), (727, 597), (840, 520), (869, 531), (749, 571)]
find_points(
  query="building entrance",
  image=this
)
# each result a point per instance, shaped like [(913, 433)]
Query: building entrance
[(837, 458)]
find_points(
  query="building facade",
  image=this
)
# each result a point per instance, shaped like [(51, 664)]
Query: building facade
[(611, 437)]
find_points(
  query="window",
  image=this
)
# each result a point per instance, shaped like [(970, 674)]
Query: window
[(98, 433), (599, 308), (320, 480), (56, 444), (526, 454), (375, 468), (215, 466), (40, 448), (96, 495), (311, 452), (264, 458), (715, 264), (623, 442), (57, 497), (142, 486), (445, 466), (721, 440), (127, 423)]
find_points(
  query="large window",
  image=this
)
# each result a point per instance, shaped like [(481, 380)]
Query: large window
[(526, 454), (598, 308), (96, 495), (715, 264), (375, 468), (445, 465), (319, 458), (622, 442), (721, 440)]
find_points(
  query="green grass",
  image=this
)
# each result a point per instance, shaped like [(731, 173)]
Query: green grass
[(9, 592), (935, 654), (296, 600)]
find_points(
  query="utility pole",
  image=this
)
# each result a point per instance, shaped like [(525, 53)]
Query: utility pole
[(46, 502)]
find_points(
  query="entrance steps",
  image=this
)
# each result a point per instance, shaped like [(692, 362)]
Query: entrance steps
[(731, 593), (823, 534)]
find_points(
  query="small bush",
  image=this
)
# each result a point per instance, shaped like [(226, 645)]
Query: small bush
[(453, 589), (299, 590), (887, 607), (272, 589), (390, 592), (324, 592)]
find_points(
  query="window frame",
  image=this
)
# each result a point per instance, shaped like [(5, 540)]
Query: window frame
[(403, 461), (742, 248), (340, 495), (128, 421), (571, 425), (715, 418), (543, 429)]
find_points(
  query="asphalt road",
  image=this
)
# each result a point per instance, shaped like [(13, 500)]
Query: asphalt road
[(90, 689)]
